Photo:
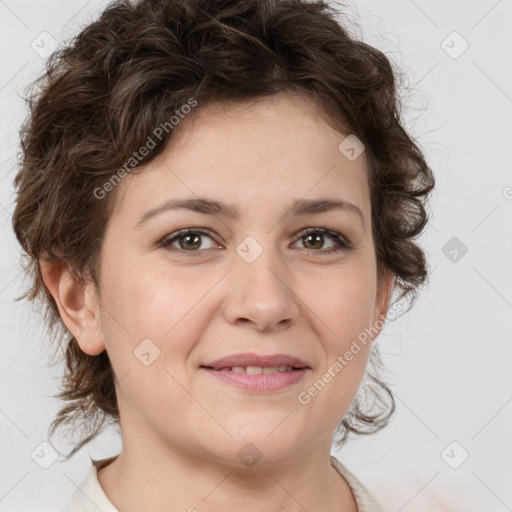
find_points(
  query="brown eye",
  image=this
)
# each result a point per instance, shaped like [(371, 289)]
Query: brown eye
[(188, 240), (314, 240)]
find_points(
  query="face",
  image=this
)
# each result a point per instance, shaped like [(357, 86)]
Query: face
[(277, 278)]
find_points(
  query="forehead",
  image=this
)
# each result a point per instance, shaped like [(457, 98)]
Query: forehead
[(256, 154)]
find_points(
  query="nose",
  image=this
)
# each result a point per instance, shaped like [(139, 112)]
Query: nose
[(260, 293)]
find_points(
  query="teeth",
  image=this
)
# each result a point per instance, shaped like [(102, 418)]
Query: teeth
[(256, 370), (253, 370)]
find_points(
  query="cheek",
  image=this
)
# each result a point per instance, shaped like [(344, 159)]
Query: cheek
[(343, 301), (343, 305), (143, 297), (150, 325), (166, 306)]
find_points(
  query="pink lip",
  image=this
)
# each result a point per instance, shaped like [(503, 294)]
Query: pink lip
[(259, 382), (251, 359)]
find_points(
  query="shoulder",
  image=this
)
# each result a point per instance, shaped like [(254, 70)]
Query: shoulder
[(364, 499), (89, 495)]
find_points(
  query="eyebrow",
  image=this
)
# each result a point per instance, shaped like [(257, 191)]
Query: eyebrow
[(300, 207)]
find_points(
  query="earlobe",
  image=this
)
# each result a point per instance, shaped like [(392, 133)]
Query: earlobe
[(77, 304)]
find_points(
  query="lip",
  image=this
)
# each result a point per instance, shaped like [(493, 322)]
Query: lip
[(263, 382), (251, 359)]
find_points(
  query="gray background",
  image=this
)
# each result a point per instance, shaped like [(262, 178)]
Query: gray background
[(448, 359)]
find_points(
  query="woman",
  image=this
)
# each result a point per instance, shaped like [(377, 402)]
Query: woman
[(218, 201)]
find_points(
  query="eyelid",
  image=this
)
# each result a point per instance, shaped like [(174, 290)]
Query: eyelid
[(166, 241), (341, 246), (327, 232)]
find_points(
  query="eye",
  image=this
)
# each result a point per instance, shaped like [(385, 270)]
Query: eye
[(315, 237), (189, 240)]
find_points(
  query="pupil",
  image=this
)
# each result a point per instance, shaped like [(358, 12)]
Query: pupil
[(316, 237), (195, 244)]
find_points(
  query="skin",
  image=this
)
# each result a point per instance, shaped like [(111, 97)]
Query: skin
[(182, 427)]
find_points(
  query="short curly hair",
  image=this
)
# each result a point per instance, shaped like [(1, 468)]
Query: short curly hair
[(104, 92)]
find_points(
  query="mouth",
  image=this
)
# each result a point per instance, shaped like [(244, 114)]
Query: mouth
[(254, 363), (253, 372)]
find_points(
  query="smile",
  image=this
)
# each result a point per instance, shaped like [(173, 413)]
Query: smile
[(257, 378), (255, 370)]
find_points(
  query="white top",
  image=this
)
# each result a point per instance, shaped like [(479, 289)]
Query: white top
[(90, 496)]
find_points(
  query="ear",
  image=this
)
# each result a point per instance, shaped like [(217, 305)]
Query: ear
[(384, 292), (78, 305)]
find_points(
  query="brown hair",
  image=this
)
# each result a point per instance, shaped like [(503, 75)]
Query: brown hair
[(104, 93)]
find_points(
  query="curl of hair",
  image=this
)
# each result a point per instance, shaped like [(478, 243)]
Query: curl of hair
[(126, 73)]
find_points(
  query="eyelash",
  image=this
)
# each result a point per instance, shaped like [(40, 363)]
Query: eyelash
[(342, 243)]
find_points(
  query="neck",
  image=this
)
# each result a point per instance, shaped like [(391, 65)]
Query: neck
[(139, 479)]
